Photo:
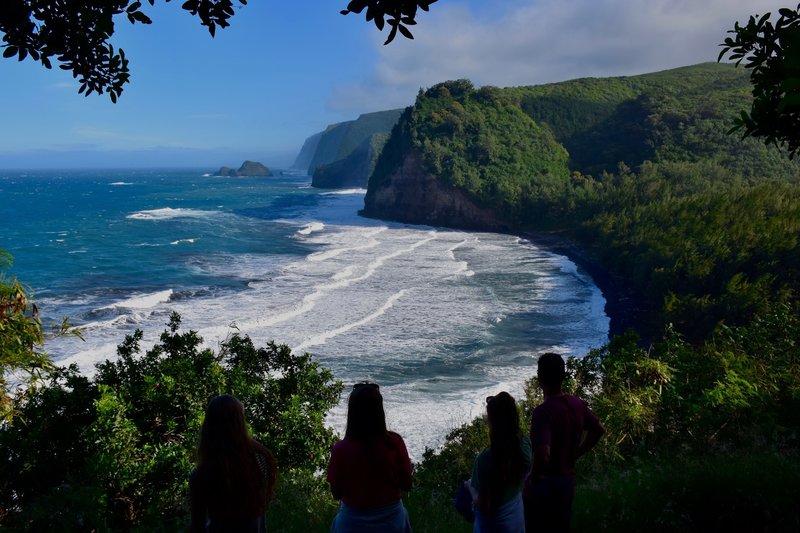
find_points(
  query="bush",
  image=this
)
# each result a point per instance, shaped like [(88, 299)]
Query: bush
[(114, 451)]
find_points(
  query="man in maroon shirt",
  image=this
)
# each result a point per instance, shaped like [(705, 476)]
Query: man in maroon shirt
[(562, 429)]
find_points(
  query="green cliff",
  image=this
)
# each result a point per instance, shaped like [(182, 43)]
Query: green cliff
[(500, 146)]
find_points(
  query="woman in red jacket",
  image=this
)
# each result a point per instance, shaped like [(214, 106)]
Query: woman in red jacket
[(369, 468)]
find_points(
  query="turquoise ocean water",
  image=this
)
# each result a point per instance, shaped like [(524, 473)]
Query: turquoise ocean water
[(440, 318)]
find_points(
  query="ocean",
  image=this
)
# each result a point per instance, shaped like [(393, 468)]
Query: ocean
[(440, 318)]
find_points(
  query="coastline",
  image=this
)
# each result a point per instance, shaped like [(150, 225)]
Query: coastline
[(623, 307)]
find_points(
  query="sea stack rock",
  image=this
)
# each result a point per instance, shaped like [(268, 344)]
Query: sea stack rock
[(248, 168)]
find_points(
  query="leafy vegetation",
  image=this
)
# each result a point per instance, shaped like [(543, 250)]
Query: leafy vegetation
[(114, 451), (23, 361), (478, 141), (772, 52)]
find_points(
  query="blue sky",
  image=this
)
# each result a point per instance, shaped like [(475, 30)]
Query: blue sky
[(284, 70)]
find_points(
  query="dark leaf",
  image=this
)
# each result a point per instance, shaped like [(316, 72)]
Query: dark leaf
[(391, 33), (406, 33)]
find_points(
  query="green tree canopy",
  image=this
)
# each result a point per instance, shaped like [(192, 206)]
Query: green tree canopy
[(772, 53)]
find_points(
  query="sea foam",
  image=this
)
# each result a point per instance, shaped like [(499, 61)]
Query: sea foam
[(166, 213), (142, 301)]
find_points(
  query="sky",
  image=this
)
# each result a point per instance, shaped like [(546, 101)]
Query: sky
[(284, 70)]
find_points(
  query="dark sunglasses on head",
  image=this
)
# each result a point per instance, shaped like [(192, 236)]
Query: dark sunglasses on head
[(362, 384)]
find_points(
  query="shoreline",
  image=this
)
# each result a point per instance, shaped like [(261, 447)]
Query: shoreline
[(623, 307)]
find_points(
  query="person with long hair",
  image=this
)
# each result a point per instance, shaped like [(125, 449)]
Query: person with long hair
[(235, 476), (499, 470), (369, 469)]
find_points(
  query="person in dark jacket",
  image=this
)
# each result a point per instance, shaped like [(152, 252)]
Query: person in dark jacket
[(235, 475)]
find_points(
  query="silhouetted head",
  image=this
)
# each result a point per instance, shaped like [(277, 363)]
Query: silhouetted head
[(503, 418), (551, 371), (366, 419), (224, 423)]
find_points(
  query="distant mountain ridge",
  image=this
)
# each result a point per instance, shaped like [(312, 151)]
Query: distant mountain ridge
[(339, 141)]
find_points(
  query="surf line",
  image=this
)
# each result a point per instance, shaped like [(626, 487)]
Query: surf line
[(328, 254), (324, 337), (310, 300)]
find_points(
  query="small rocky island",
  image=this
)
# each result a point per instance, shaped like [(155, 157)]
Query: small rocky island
[(248, 168)]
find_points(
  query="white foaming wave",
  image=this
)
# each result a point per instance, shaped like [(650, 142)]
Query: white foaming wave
[(344, 192), (120, 183), (345, 273), (370, 243), (87, 359), (181, 241), (424, 419), (310, 228), (322, 338), (167, 213), (420, 411), (338, 281), (567, 266), (142, 301), (78, 251)]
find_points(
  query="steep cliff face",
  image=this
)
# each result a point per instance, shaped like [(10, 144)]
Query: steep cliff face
[(340, 140), (410, 194), (355, 169), (466, 158), (306, 155)]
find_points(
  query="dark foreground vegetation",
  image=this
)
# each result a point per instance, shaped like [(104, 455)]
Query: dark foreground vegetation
[(702, 421)]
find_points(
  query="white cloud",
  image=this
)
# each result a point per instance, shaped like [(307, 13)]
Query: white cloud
[(526, 42)]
